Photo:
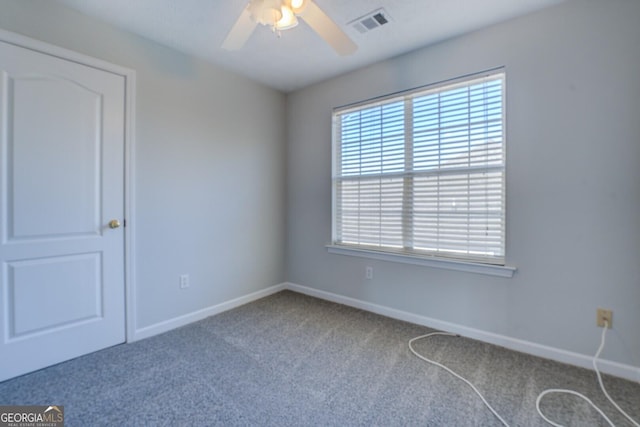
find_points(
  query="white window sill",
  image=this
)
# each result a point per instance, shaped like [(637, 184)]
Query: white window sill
[(466, 266)]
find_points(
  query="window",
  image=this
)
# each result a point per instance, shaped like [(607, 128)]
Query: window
[(423, 173)]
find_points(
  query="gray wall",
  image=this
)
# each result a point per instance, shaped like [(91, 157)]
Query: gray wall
[(573, 182), (210, 186)]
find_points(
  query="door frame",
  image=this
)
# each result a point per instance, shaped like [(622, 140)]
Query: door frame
[(129, 76)]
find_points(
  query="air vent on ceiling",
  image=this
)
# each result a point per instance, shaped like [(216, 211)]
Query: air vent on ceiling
[(370, 21)]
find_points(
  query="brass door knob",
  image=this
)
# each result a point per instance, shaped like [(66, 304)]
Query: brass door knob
[(114, 223)]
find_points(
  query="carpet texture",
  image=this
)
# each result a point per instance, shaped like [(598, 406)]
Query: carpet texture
[(294, 360)]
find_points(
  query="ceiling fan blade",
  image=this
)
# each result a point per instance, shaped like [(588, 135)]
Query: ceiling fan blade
[(328, 29), (241, 31)]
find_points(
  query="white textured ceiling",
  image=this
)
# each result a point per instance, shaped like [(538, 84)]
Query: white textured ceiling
[(299, 57)]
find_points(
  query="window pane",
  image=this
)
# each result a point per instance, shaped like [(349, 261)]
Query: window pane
[(459, 213), (372, 140), (458, 127), (370, 212)]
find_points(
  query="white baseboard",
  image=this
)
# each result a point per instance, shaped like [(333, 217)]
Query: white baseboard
[(585, 361), (176, 322)]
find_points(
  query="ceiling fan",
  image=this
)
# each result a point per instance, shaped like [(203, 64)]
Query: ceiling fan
[(282, 15)]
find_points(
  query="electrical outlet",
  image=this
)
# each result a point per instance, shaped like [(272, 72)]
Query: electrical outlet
[(184, 281), (368, 272), (605, 315)]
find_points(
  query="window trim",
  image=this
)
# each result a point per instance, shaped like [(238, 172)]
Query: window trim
[(467, 264), (425, 261)]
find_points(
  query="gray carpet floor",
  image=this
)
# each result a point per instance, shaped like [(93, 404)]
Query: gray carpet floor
[(293, 360)]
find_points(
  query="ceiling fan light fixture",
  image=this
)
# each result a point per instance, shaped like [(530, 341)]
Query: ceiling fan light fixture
[(288, 19), (297, 6)]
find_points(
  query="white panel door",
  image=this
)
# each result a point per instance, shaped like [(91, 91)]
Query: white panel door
[(62, 181)]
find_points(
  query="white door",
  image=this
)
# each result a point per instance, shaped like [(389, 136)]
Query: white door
[(62, 181)]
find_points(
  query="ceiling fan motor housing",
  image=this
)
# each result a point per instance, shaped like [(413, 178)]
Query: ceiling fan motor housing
[(266, 12)]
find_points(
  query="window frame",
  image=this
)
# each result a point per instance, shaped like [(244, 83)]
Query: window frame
[(483, 264)]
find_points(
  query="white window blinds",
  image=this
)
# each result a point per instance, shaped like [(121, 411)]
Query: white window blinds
[(424, 173)]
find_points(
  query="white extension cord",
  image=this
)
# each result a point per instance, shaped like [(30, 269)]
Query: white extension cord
[(541, 395), (575, 393), (460, 377)]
